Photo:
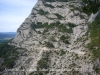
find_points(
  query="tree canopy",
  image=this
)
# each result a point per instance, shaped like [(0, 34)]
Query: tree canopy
[(91, 6)]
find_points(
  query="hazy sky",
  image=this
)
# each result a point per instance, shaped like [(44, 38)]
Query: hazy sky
[(13, 13)]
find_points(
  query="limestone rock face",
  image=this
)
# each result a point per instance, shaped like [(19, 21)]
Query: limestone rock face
[(55, 38)]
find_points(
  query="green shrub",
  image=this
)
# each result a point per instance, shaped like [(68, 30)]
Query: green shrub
[(56, 0), (38, 25), (9, 53), (42, 12), (52, 39), (39, 32), (45, 30), (71, 25), (96, 53), (72, 6), (64, 39), (48, 44), (50, 18), (82, 17), (62, 52), (60, 6), (43, 63), (45, 24), (91, 6), (94, 29), (9, 62), (70, 30), (62, 28), (57, 23), (58, 16), (66, 42), (77, 73), (97, 70), (49, 5), (40, 73), (33, 26), (31, 73)]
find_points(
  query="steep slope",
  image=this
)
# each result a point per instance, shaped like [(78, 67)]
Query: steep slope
[(53, 40)]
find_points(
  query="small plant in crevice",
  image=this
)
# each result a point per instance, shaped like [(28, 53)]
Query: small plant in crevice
[(64, 39), (52, 39), (50, 18), (44, 62), (45, 30), (62, 52), (82, 17), (33, 26), (60, 6), (73, 8), (64, 29), (56, 0), (71, 24), (31, 73), (96, 69), (58, 16), (42, 12), (49, 44), (39, 32), (48, 5)]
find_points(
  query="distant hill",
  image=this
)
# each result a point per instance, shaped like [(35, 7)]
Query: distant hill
[(4, 35)]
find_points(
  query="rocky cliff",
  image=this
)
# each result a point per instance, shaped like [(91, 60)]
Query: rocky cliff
[(53, 40)]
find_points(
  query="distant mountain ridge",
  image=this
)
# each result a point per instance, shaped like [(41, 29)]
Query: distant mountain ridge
[(4, 35)]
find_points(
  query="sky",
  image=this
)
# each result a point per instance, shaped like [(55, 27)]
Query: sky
[(13, 13)]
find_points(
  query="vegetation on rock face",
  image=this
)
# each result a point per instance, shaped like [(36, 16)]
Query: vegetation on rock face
[(37, 73), (62, 52), (94, 29), (97, 70), (42, 12), (44, 62), (33, 26), (64, 39), (49, 44), (73, 7), (48, 5), (52, 39), (9, 53), (91, 6), (71, 25), (61, 27), (82, 17), (31, 73), (56, 0), (59, 16)]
